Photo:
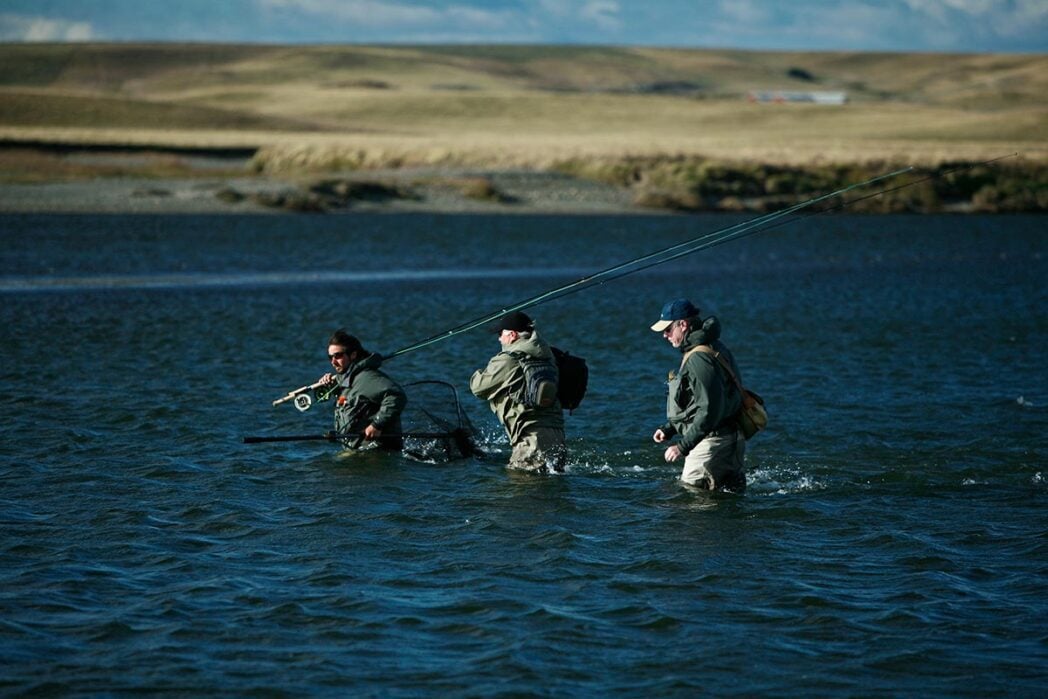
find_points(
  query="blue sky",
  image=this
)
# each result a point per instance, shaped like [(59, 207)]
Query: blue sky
[(866, 25)]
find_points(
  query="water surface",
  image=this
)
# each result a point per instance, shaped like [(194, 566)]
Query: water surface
[(892, 540)]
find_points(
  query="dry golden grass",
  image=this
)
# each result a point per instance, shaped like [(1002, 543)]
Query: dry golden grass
[(32, 166), (290, 151), (331, 107)]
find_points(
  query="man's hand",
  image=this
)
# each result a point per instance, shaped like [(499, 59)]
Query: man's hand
[(673, 453), (372, 432), (659, 436)]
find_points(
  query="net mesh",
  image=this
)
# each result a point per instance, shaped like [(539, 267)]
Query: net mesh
[(436, 427)]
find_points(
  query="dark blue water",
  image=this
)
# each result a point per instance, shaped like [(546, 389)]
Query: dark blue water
[(893, 540)]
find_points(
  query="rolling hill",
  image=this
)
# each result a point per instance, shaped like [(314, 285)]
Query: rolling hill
[(596, 111)]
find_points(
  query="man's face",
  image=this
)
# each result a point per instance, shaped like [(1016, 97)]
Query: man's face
[(340, 359), (508, 337), (676, 332)]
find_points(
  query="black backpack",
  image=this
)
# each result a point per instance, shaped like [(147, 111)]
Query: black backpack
[(540, 389), (574, 376), (540, 381)]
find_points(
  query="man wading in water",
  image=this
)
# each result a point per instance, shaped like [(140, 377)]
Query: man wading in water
[(520, 385), (703, 402), (368, 403)]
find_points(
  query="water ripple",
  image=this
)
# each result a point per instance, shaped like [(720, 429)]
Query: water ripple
[(890, 541)]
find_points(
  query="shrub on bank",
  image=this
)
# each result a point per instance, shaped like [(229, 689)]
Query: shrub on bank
[(686, 183)]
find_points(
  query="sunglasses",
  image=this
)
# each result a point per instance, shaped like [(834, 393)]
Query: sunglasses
[(337, 355)]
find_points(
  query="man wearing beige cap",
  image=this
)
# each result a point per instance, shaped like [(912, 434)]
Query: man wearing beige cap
[(533, 419), (703, 403)]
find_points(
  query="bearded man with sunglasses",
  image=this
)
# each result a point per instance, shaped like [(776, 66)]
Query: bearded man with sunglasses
[(368, 404)]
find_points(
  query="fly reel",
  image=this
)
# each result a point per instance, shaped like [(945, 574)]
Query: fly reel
[(303, 402)]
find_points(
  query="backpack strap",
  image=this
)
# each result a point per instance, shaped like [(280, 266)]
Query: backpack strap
[(706, 349), (521, 357), (698, 348)]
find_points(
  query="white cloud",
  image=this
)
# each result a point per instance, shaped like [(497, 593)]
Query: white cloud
[(25, 28), (1006, 20), (602, 13), (1029, 18), (823, 25), (579, 15), (357, 11), (554, 8), (463, 19), (942, 25), (374, 13), (1016, 12), (745, 12), (473, 18), (940, 8)]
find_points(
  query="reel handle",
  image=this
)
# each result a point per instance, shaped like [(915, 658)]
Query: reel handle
[(293, 395)]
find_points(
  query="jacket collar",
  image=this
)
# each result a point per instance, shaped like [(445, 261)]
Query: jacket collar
[(706, 334), (370, 361)]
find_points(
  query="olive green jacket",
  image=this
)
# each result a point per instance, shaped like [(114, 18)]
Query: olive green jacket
[(501, 384), (366, 396), (702, 396)]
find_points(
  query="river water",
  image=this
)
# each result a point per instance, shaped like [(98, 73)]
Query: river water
[(893, 540)]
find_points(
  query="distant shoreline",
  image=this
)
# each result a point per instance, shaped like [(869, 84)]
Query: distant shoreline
[(532, 193), (91, 178)]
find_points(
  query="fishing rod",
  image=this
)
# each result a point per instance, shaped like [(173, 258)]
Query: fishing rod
[(302, 399), (703, 242), (844, 204), (461, 436), (667, 254), (726, 233)]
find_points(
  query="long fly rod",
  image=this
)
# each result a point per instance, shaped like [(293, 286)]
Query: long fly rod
[(702, 242), (637, 264), (732, 236), (660, 256)]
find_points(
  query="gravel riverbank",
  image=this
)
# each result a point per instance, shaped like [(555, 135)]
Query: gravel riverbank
[(386, 191)]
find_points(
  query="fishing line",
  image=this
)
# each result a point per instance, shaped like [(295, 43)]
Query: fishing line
[(593, 279), (735, 236), (703, 242)]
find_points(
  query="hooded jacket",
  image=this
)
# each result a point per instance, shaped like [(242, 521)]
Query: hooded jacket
[(501, 384), (366, 396), (702, 396)]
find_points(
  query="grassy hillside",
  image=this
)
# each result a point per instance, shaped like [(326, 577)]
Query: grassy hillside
[(590, 109), (172, 69), (578, 91)]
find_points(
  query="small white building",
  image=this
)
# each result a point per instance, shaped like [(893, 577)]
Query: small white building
[(810, 96)]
